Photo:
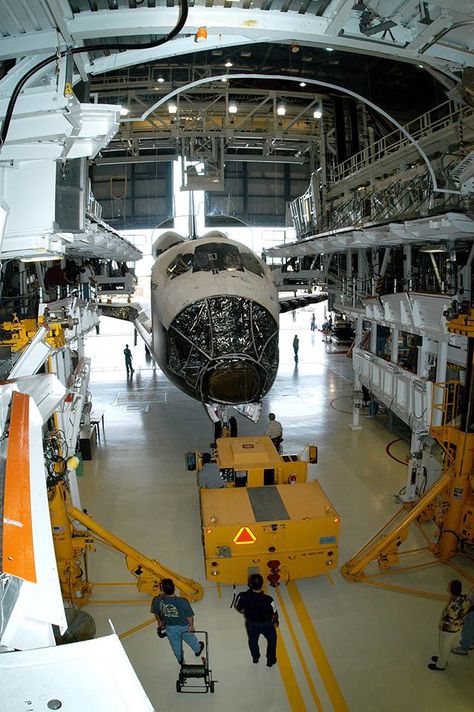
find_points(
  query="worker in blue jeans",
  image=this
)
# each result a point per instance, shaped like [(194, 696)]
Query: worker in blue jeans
[(176, 618)]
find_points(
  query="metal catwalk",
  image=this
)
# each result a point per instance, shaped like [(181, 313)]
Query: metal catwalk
[(342, 646)]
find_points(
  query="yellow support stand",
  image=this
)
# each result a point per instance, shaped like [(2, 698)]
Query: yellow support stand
[(71, 543), (148, 572), (450, 501)]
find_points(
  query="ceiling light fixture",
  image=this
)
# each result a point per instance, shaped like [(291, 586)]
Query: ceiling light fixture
[(295, 48), (172, 108), (434, 247), (317, 113), (124, 111), (281, 110), (329, 49), (228, 64), (201, 35), (302, 84), (160, 80), (233, 109)]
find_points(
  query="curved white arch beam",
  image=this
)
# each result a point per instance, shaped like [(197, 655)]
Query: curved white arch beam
[(279, 77), (228, 26)]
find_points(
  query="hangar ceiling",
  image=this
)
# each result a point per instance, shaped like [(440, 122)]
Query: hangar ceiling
[(405, 56)]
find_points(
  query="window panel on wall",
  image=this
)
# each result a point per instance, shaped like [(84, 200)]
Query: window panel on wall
[(256, 193), (133, 195)]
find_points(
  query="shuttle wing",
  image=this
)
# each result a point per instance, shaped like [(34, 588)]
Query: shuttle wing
[(289, 303)]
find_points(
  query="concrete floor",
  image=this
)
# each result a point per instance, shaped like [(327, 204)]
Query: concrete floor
[(365, 649)]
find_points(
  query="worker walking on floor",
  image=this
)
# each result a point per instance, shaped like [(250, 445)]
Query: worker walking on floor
[(176, 618), (261, 618), (128, 360)]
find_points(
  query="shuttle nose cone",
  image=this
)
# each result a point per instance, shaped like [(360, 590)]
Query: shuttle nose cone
[(233, 381), (224, 349)]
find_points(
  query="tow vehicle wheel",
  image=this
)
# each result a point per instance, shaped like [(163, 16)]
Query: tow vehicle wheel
[(178, 686), (211, 686)]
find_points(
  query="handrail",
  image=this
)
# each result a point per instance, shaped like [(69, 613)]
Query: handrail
[(420, 128)]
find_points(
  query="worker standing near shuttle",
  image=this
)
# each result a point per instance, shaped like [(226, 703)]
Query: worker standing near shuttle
[(128, 360), (209, 476), (296, 347), (261, 618), (274, 430)]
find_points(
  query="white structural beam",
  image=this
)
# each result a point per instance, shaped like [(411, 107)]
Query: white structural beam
[(28, 44), (217, 20), (228, 27), (177, 48), (61, 13)]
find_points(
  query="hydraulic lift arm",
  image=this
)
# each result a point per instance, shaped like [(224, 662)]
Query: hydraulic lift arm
[(148, 572)]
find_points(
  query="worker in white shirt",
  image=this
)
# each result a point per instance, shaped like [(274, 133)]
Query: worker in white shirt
[(274, 431)]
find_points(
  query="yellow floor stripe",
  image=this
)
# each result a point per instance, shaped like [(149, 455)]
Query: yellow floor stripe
[(299, 652), (322, 663), (288, 676)]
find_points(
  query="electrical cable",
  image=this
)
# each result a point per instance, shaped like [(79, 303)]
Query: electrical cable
[(183, 16), (387, 450)]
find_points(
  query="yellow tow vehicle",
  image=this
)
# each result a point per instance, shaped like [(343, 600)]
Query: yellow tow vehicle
[(269, 518)]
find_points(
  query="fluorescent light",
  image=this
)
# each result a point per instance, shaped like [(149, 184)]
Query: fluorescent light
[(233, 109), (124, 111), (172, 108), (47, 257), (281, 110), (441, 247), (317, 113)]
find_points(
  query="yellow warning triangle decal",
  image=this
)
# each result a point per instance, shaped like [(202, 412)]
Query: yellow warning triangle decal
[(244, 536)]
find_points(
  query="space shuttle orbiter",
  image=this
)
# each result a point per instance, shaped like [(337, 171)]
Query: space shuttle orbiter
[(214, 318)]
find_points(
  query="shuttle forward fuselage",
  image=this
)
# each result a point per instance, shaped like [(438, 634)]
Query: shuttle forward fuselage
[(215, 319)]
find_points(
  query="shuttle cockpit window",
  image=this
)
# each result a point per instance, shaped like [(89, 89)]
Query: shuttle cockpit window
[(251, 263), (218, 257), (179, 265)]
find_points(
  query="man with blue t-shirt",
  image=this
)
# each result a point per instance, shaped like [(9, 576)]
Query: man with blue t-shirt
[(176, 618)]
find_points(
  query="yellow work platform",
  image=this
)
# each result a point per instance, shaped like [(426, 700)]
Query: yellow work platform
[(254, 461), (282, 532)]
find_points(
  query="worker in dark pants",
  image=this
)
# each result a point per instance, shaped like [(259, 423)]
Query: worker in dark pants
[(261, 618), (128, 360)]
